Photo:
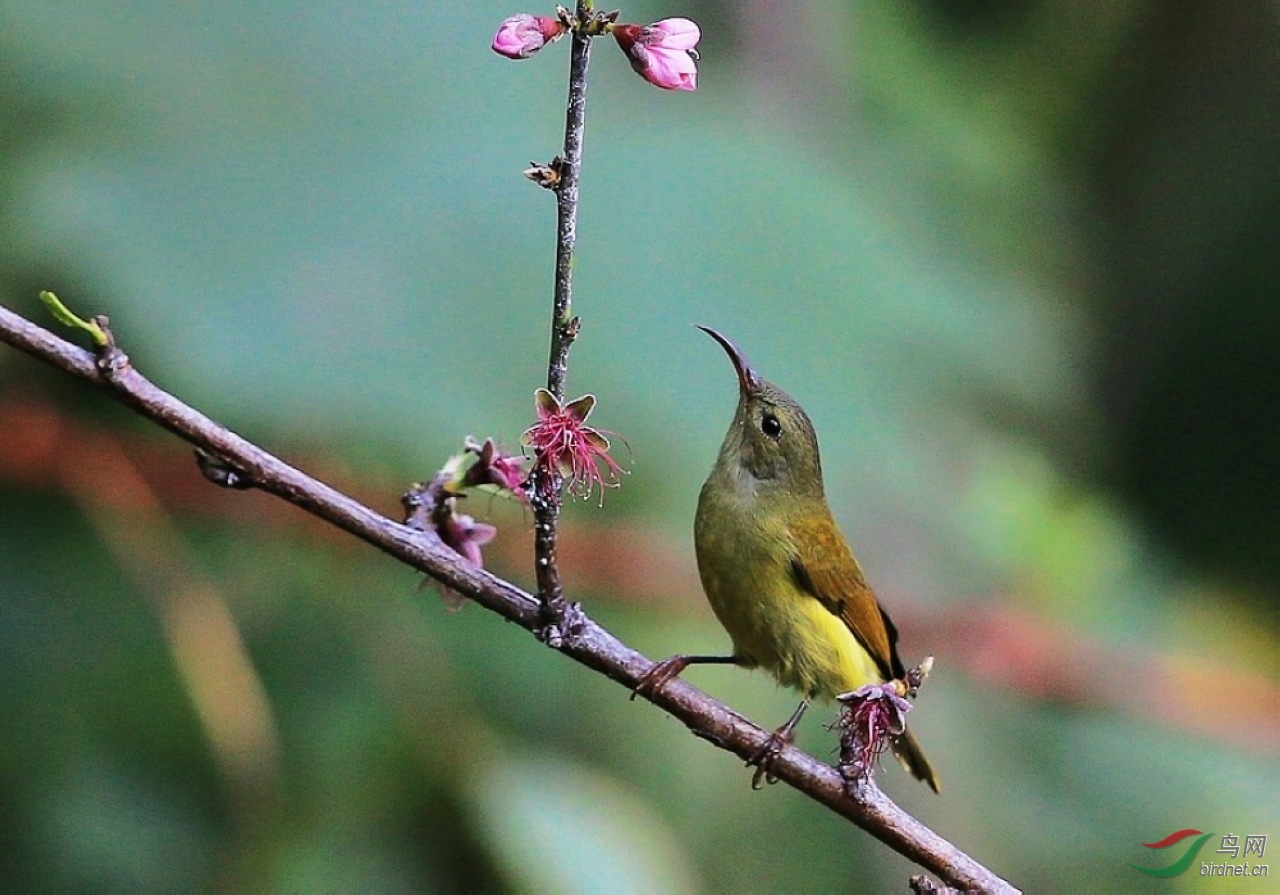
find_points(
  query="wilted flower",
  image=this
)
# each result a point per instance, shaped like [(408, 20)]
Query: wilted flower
[(662, 53), (872, 716), (494, 467), (464, 535), (563, 442), (520, 36)]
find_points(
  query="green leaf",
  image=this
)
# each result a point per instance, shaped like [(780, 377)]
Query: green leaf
[(64, 315)]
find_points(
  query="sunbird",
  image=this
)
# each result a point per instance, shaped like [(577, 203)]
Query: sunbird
[(777, 571)]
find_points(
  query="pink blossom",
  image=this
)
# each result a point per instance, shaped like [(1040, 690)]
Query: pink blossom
[(494, 467), (662, 53), (564, 443), (520, 36), (465, 536)]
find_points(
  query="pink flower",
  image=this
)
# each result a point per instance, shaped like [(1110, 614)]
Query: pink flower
[(465, 536), (494, 467), (520, 36), (563, 443), (873, 714), (662, 53)]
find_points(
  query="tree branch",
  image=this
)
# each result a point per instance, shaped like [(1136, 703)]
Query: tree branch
[(593, 646)]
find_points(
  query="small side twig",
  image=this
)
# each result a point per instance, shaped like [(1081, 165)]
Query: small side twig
[(923, 885)]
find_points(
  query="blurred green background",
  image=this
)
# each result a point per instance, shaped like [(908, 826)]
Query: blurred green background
[(1019, 262)]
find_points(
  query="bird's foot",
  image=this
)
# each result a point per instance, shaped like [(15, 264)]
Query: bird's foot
[(766, 755), (659, 675)]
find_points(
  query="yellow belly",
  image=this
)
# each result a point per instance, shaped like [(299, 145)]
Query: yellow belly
[(775, 624)]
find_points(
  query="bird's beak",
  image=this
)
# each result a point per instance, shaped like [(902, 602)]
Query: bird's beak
[(748, 379)]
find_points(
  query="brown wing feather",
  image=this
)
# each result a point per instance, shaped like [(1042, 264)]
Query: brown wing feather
[(826, 568)]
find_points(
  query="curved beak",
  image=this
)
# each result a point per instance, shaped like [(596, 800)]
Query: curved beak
[(748, 379)]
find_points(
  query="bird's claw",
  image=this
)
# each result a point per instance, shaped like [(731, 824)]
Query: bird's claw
[(659, 675), (764, 757)]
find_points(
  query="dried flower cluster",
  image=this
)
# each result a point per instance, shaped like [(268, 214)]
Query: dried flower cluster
[(873, 715), (565, 448), (434, 506)]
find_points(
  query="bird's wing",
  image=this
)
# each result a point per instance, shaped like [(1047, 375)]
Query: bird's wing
[(825, 567)]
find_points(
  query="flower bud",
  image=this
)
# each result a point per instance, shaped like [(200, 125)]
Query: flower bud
[(662, 53), (520, 36)]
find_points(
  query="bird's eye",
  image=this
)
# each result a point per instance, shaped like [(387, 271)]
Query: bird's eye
[(770, 426)]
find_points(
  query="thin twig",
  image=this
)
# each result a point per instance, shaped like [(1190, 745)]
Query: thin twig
[(560, 620), (563, 327), (593, 646)]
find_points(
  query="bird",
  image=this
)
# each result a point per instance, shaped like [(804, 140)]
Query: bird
[(778, 572)]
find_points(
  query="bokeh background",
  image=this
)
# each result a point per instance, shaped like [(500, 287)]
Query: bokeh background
[(1019, 262)]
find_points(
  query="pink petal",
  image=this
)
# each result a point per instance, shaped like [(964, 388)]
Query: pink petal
[(669, 69), (676, 34), (472, 535), (480, 532), (519, 37)]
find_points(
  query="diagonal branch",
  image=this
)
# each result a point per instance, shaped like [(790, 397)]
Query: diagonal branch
[(593, 646)]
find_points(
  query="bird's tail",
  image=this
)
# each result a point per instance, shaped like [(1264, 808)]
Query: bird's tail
[(909, 754)]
